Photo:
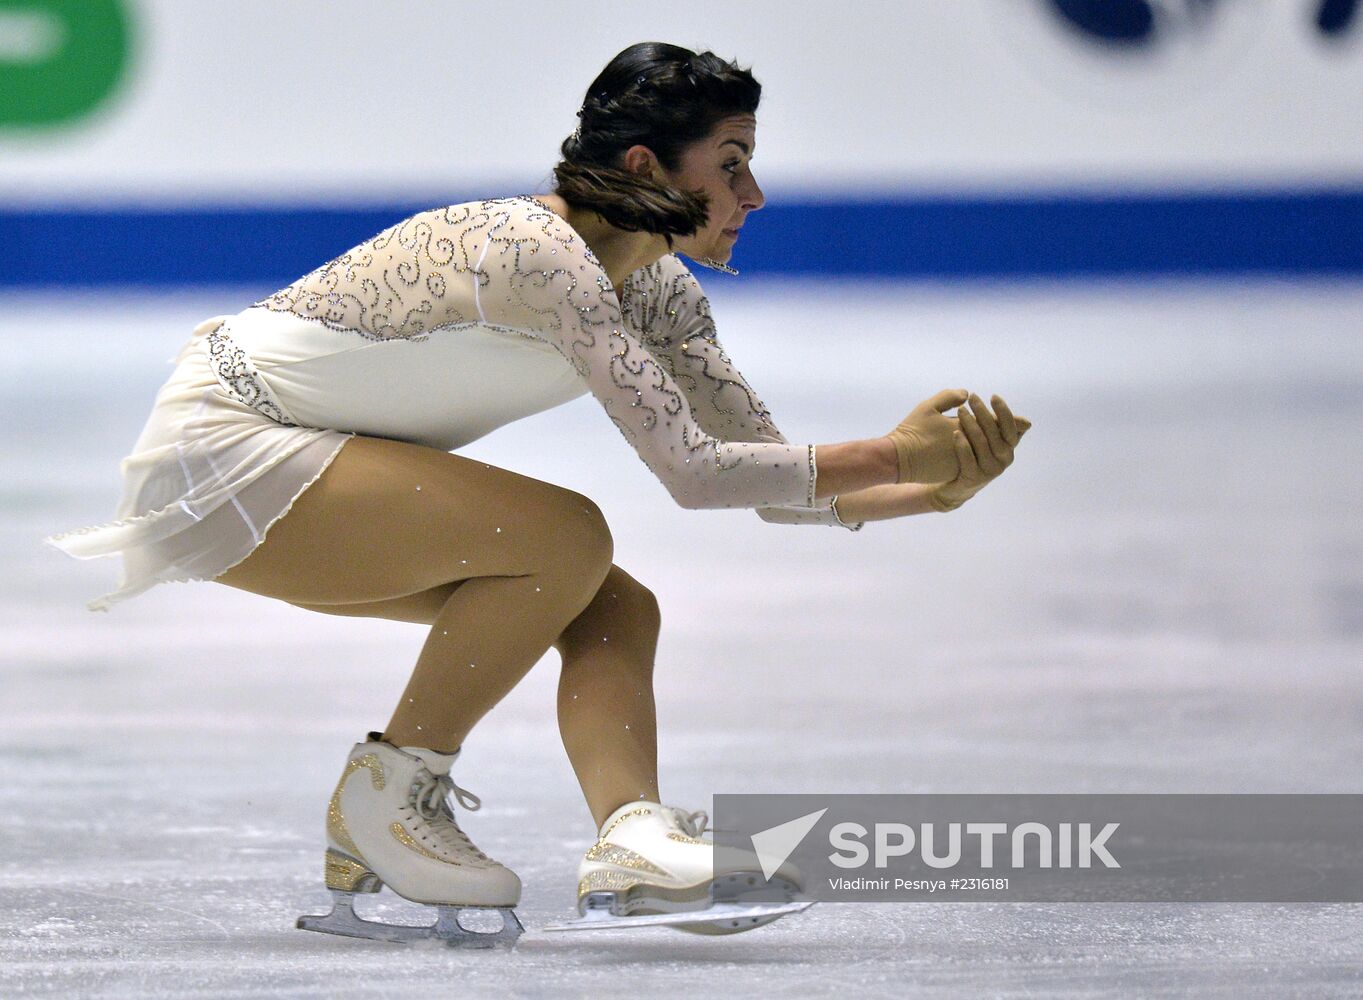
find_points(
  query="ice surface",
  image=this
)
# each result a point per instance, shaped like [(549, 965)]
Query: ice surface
[(1163, 594)]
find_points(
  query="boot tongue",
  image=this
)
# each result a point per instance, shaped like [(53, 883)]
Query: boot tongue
[(438, 764)]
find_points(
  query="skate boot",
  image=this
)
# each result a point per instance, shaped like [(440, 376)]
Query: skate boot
[(651, 867), (390, 821)]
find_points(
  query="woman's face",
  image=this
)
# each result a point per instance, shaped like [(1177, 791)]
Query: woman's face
[(720, 166)]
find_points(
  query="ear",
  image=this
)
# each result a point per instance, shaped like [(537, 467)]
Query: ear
[(640, 160)]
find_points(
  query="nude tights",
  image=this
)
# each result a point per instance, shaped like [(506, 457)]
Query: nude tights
[(501, 568)]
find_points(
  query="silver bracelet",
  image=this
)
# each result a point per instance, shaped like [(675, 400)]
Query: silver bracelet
[(833, 505)]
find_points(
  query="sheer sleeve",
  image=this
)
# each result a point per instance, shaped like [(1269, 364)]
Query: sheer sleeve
[(666, 300), (535, 275)]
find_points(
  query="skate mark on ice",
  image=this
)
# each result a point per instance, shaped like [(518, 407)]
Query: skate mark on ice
[(227, 935)]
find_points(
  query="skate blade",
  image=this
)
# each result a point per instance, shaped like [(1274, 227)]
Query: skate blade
[(726, 917), (344, 921)]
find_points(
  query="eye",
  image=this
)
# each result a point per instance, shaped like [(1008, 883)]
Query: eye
[(731, 165)]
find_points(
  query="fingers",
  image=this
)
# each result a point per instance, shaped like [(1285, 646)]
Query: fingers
[(948, 399), (984, 456), (1023, 424), (1003, 451), (970, 468), (1007, 422)]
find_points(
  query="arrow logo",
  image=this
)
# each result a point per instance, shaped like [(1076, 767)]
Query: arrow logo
[(776, 843)]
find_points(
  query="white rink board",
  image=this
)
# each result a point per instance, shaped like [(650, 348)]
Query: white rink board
[(310, 100)]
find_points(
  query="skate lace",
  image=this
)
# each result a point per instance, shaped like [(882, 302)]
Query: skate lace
[(694, 823), (431, 794)]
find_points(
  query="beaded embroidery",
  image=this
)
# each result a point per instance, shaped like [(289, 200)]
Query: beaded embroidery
[(239, 378), (689, 350), (650, 356), (394, 285), (664, 300)]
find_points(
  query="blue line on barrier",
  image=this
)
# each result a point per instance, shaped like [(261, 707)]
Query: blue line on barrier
[(1302, 233)]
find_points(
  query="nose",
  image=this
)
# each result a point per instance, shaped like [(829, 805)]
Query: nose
[(752, 197)]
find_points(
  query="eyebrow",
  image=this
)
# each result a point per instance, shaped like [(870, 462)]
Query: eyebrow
[(741, 145)]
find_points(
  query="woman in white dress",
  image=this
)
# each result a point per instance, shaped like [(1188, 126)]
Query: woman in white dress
[(303, 449)]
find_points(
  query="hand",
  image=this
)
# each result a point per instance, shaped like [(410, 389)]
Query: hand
[(984, 447), (923, 441)]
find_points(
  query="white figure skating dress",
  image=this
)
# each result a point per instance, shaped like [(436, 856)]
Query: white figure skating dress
[(438, 330)]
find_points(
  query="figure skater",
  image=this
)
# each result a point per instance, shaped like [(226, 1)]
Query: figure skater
[(305, 449)]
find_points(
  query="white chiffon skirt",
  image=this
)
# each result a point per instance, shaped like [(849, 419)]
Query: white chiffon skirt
[(206, 480)]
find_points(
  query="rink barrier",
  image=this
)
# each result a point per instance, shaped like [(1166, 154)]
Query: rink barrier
[(1067, 236)]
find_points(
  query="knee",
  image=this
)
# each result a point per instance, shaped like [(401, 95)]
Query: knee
[(638, 604), (622, 607), (582, 544)]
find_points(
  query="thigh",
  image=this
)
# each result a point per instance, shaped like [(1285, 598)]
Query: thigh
[(390, 519), (621, 602), (419, 608)]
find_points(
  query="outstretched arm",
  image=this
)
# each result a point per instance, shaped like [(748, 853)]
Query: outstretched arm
[(984, 448), (666, 299), (881, 503), (538, 277)]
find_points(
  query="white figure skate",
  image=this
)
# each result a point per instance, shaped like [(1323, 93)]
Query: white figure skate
[(649, 867), (390, 821)]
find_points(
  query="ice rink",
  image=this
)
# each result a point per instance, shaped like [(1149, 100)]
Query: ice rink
[(1164, 593)]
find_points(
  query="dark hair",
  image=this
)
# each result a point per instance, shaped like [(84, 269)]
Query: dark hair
[(661, 96)]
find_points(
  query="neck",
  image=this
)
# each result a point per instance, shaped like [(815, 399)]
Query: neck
[(620, 252)]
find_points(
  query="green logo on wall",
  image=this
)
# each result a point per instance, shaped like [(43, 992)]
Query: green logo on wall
[(59, 58)]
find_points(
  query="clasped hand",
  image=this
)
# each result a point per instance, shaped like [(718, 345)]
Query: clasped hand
[(984, 446)]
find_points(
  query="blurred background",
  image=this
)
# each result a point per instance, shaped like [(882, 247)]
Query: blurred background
[(1137, 220)]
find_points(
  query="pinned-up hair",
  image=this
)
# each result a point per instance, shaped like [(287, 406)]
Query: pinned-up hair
[(657, 95)]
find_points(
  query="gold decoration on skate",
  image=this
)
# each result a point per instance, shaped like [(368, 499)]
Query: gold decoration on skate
[(614, 854), (342, 873), (606, 879), (404, 838), (375, 766), (622, 818), (682, 838), (336, 827)]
